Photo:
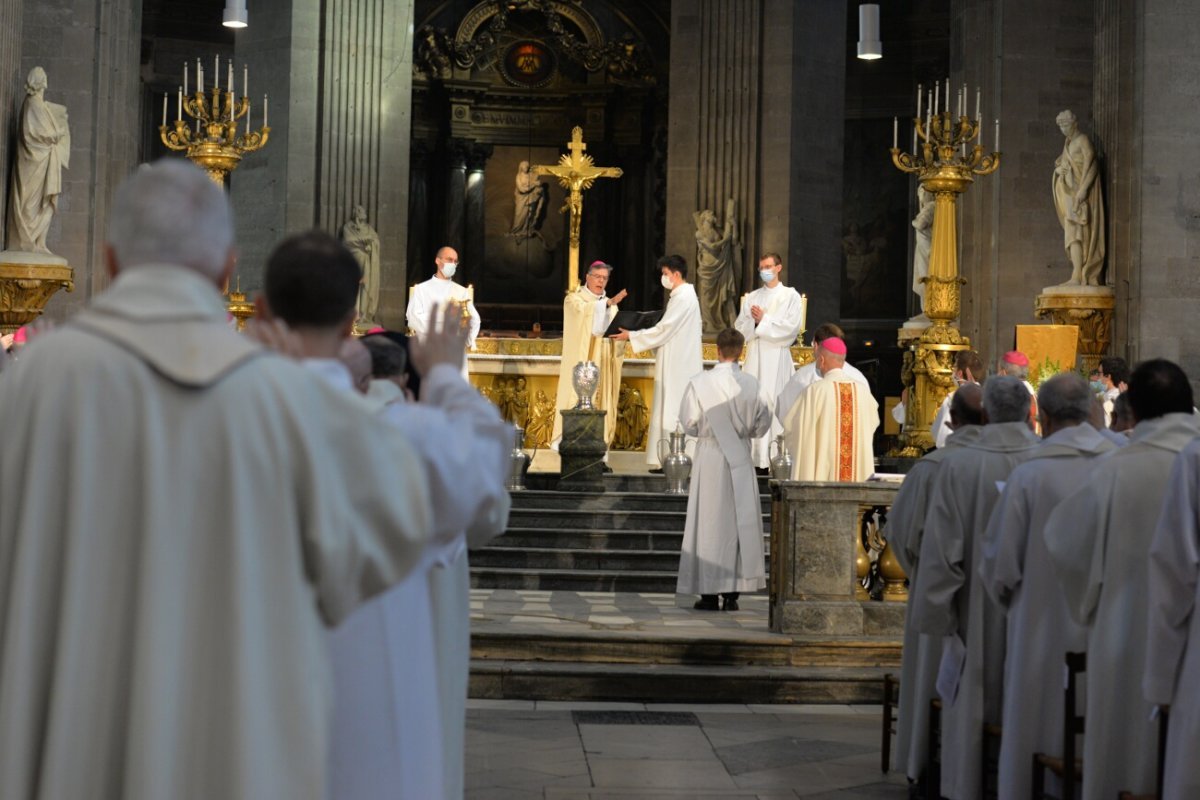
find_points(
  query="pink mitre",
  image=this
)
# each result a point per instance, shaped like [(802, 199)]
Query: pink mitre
[(834, 345), (1016, 358)]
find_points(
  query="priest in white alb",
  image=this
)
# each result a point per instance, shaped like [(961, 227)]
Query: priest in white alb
[(953, 602), (1099, 540), (1017, 573), (193, 512), (771, 318), (723, 537), (438, 291), (830, 426), (922, 653), (587, 313), (968, 368), (807, 375), (676, 343)]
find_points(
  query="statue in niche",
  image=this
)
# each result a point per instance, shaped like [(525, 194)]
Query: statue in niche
[(529, 200), (541, 421), (432, 53), (718, 261), (629, 62), (923, 225), (363, 242), (1078, 203), (520, 405), (633, 420), (43, 152)]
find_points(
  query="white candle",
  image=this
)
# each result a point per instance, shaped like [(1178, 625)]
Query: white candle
[(919, 101), (185, 65), (937, 96), (229, 81), (179, 106), (895, 133), (164, 109), (914, 149), (947, 95), (245, 81), (963, 113), (199, 77), (977, 104), (803, 311), (216, 72), (265, 111), (997, 136)]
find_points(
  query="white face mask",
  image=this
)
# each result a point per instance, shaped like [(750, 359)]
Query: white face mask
[(448, 268), (666, 282), (767, 275)]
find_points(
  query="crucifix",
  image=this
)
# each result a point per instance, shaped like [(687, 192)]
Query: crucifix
[(576, 172)]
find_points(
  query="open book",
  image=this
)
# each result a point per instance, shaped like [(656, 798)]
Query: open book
[(633, 321)]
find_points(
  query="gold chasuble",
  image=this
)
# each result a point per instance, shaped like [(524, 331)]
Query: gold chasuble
[(585, 318), (829, 430)]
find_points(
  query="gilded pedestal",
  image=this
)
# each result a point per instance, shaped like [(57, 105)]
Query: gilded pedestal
[(26, 288), (1089, 308)]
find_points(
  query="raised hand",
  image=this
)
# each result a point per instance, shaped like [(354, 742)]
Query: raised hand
[(618, 297), (444, 342)]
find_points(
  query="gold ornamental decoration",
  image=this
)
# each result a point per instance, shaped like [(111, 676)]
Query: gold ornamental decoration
[(26, 288), (1091, 313), (946, 156)]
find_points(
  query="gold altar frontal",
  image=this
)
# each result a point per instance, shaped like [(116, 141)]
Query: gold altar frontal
[(521, 377)]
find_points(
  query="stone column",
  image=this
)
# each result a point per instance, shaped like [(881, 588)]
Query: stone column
[(11, 93), (90, 52), (1032, 59), (455, 215), (472, 254), (418, 213), (339, 76)]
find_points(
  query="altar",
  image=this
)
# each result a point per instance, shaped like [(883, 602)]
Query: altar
[(520, 375)]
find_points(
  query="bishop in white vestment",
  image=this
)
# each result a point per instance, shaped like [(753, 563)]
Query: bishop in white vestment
[(905, 530), (771, 318), (1099, 539), (677, 358), (184, 515), (723, 534), (829, 429), (807, 375), (1017, 573), (953, 602), (587, 313)]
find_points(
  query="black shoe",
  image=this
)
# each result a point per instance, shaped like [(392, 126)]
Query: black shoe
[(730, 603), (707, 602), (656, 471), (762, 471)]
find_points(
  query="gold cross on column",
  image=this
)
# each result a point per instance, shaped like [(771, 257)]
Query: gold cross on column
[(576, 172)]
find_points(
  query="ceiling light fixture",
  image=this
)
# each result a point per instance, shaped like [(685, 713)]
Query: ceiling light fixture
[(869, 46), (235, 15)]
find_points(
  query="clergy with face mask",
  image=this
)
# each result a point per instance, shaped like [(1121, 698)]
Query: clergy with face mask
[(771, 318), (676, 342), (438, 291), (829, 428), (587, 312)]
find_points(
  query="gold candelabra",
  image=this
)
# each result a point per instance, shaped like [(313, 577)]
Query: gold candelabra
[(949, 156), (212, 141)]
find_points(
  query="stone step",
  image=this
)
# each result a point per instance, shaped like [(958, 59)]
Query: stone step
[(573, 580), (616, 519), (657, 683), (562, 558), (653, 484), (610, 501), (598, 540)]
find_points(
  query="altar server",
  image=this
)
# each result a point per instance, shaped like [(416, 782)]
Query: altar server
[(677, 358), (1099, 539), (722, 537), (771, 318), (953, 602), (184, 513), (1016, 572), (438, 291)]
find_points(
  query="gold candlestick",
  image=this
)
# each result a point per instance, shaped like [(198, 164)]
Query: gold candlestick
[(212, 142), (946, 166)]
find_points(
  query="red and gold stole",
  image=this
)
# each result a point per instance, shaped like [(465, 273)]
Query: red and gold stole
[(845, 470)]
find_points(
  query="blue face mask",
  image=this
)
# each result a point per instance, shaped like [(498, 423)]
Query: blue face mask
[(1097, 386), (767, 275)]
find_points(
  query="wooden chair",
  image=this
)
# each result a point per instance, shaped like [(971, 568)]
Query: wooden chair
[(891, 700), (1068, 768), (1162, 760)]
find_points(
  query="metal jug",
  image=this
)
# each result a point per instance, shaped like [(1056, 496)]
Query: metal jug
[(781, 462), (518, 462), (676, 464)]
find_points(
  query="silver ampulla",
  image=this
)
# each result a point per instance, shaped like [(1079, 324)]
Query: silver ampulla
[(676, 465)]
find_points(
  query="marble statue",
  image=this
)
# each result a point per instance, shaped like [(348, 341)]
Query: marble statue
[(42, 153), (529, 199), (923, 225), (718, 263), (362, 240), (1079, 204)]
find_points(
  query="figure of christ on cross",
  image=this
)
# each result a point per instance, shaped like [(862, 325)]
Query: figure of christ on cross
[(576, 172)]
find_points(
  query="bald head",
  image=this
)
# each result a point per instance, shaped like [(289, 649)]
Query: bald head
[(966, 406), (447, 262), (357, 358)]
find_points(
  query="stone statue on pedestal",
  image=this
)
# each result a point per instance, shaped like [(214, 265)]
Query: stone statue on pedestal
[(529, 204), (363, 242), (923, 225), (43, 152), (1079, 204), (718, 262)]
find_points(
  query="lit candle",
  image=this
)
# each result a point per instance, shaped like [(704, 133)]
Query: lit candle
[(245, 81), (185, 77), (997, 136), (895, 133), (164, 109)]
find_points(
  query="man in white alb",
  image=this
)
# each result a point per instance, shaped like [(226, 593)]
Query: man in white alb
[(771, 318), (808, 375), (722, 538), (676, 340), (437, 291)]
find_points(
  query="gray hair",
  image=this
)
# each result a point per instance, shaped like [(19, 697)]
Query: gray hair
[(1065, 398), (170, 212), (1018, 371), (1005, 399)]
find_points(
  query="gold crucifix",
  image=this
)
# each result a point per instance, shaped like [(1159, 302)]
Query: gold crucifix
[(576, 172)]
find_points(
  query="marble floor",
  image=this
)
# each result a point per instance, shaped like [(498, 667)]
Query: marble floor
[(519, 749)]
